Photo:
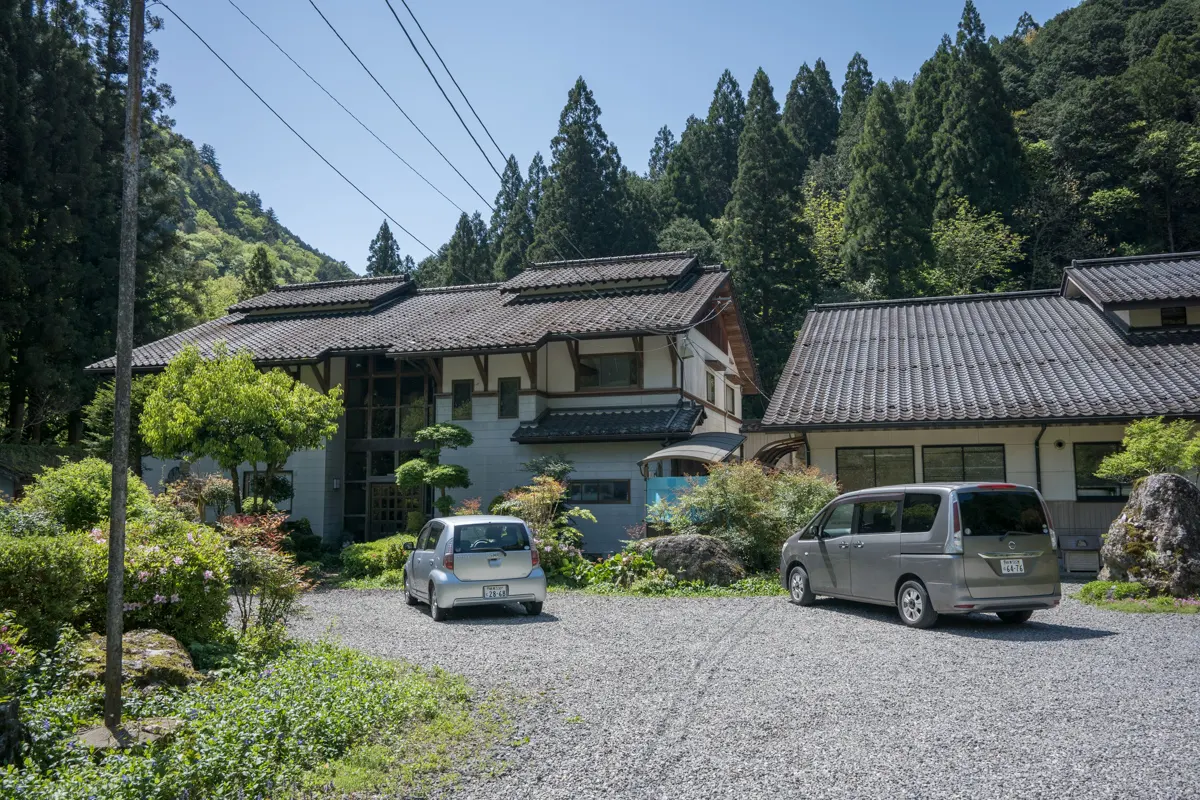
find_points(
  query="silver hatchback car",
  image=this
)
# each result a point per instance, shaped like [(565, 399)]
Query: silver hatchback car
[(472, 561), (930, 549)]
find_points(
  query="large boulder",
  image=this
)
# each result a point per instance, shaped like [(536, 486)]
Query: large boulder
[(694, 557), (150, 658), (1156, 540)]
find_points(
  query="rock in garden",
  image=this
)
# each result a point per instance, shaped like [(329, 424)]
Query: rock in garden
[(1156, 540), (694, 557), (151, 658)]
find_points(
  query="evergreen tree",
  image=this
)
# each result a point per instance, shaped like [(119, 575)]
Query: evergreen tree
[(660, 152), (582, 205), (208, 157), (508, 201), (810, 114), (925, 114), (702, 168), (259, 277), (856, 89), (976, 154), (517, 235), (383, 257), (764, 244), (467, 258), (886, 239)]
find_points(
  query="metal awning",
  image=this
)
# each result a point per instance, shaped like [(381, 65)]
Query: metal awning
[(711, 448)]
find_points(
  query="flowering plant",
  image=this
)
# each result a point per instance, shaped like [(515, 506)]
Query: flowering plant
[(540, 505)]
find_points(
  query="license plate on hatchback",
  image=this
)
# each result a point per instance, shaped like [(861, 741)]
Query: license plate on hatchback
[(1012, 566), (495, 592)]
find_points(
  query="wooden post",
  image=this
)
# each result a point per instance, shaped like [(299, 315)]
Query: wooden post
[(114, 627)]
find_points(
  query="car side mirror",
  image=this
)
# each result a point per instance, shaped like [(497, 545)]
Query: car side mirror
[(409, 546)]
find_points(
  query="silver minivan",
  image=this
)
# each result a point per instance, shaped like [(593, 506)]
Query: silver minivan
[(472, 561), (930, 549)]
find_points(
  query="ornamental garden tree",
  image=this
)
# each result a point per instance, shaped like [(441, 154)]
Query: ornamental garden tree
[(227, 410), (428, 470)]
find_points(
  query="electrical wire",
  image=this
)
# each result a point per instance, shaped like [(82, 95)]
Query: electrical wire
[(440, 89), (288, 125), (397, 105), (341, 105)]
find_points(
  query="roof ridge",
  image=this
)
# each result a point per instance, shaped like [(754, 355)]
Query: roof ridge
[(462, 287), (1085, 263), (609, 259), (359, 281), (921, 301)]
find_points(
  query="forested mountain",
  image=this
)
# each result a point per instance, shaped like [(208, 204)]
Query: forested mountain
[(62, 95), (999, 161)]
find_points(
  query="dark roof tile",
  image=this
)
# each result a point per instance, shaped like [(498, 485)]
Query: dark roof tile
[(1138, 279), (585, 272), (354, 292), (656, 422)]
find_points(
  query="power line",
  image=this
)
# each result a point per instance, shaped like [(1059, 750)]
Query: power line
[(343, 107), (503, 157), (290, 128), (397, 105)]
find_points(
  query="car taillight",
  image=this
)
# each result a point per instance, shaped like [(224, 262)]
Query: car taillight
[(537, 559), (448, 561), (955, 543), (997, 486)]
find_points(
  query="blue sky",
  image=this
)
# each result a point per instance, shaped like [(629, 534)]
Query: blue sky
[(647, 63)]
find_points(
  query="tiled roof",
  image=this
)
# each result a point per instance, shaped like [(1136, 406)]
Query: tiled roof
[(585, 272), (657, 422), (359, 291), (1115, 281), (1004, 357), (462, 319)]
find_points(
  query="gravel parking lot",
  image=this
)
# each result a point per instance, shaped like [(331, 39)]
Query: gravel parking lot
[(735, 698)]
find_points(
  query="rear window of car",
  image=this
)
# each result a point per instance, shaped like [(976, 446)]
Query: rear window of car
[(995, 513), (920, 510), (491, 536)]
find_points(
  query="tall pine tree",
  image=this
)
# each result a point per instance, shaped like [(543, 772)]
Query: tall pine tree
[(581, 210), (259, 277), (886, 239), (856, 89), (976, 153), (703, 167), (925, 114), (383, 257), (810, 114), (773, 271), (660, 152), (467, 258)]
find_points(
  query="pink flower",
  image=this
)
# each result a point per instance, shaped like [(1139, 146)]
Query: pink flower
[(208, 576), (174, 598), (143, 576), (178, 561), (132, 606), (191, 538), (158, 598), (162, 570)]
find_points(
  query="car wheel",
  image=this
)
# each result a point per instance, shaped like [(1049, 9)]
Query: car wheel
[(409, 597), (801, 593), (915, 609), (533, 609), (436, 612), (1014, 617)]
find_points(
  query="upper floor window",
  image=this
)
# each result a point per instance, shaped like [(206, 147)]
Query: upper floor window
[(460, 399), (730, 400), (1174, 317), (609, 371), (509, 390), (1088, 456), (710, 387)]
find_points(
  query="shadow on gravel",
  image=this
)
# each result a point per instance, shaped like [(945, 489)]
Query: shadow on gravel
[(973, 626), (492, 615)]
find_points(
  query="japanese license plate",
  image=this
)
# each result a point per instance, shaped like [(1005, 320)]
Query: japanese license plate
[(495, 592), (1012, 566)]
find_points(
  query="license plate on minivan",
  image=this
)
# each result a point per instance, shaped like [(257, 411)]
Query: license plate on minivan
[(1012, 566), (495, 592)]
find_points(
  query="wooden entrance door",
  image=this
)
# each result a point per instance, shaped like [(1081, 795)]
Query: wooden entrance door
[(390, 507)]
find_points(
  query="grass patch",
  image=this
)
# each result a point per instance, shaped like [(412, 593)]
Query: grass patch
[(1134, 598), (318, 720), (754, 586), (389, 579)]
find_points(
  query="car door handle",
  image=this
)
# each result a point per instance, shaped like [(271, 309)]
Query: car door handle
[(844, 546), (858, 544)]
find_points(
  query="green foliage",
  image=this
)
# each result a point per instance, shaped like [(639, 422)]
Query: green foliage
[(98, 420), (751, 509), (660, 583), (702, 168), (259, 277), (383, 257), (541, 506), (428, 469), (78, 494), (556, 465), (370, 559), (252, 731), (266, 582), (972, 252), (810, 113), (660, 153), (764, 245), (225, 409), (15, 656), (824, 216), (467, 258), (43, 580), (682, 233), (1152, 446), (18, 521), (1134, 598), (885, 237), (623, 569)]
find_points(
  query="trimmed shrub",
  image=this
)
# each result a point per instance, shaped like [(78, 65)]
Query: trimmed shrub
[(44, 581), (369, 559), (301, 542), (78, 495), (18, 521)]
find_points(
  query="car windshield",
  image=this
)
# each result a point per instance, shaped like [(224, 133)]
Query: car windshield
[(491, 536), (1001, 513)]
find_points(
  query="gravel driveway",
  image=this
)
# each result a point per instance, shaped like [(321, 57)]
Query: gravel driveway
[(739, 698)]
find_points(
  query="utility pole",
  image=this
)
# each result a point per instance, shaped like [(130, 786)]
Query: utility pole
[(115, 623)]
